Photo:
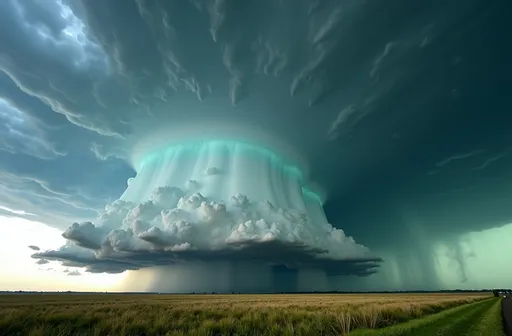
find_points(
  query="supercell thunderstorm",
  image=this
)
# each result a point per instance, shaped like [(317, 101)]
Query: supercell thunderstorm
[(227, 203), (144, 130)]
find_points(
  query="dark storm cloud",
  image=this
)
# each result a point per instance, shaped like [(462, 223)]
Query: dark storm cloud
[(125, 63), (41, 170), (56, 189), (398, 105), (21, 133), (69, 67), (273, 252), (451, 170), (85, 259), (33, 247), (173, 228)]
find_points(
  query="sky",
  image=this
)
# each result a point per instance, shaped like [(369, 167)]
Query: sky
[(359, 145)]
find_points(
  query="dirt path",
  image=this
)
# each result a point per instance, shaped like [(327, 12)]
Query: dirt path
[(507, 315)]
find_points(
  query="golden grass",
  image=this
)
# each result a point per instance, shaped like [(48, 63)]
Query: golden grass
[(138, 314)]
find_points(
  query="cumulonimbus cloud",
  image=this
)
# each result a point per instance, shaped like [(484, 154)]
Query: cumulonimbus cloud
[(87, 80), (172, 227)]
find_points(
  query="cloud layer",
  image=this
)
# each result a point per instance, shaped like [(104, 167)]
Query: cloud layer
[(172, 227), (398, 106)]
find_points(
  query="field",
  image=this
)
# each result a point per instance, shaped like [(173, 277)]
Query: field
[(300, 314)]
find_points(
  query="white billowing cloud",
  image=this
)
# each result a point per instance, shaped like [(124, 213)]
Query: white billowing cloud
[(172, 226), (83, 234)]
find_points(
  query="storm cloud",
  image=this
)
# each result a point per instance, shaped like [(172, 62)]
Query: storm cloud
[(397, 109)]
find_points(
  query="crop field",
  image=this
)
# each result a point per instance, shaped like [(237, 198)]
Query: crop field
[(236, 314)]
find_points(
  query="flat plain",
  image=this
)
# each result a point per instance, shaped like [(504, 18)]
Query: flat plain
[(239, 314)]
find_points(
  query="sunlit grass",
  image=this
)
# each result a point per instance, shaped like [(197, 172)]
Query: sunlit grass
[(112, 314)]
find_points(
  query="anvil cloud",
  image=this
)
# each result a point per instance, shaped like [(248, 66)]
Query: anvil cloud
[(393, 114)]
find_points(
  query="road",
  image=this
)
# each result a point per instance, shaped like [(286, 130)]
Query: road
[(507, 314)]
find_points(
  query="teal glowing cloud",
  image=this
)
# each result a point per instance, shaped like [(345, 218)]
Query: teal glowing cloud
[(192, 149)]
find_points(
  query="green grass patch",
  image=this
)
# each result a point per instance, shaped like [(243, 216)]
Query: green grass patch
[(480, 318), (491, 323)]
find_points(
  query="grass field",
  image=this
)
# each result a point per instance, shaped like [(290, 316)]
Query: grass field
[(477, 319), (307, 314)]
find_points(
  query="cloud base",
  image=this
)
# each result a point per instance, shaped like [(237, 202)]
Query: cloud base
[(214, 201)]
